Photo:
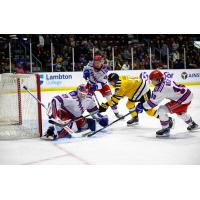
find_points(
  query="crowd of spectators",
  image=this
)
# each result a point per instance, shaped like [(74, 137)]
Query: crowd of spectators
[(130, 51)]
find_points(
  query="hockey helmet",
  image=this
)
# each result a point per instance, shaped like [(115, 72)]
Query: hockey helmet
[(97, 63), (156, 75), (113, 77), (82, 91), (98, 58)]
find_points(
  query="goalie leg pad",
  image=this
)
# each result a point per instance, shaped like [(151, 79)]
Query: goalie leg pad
[(63, 133), (81, 122), (91, 124)]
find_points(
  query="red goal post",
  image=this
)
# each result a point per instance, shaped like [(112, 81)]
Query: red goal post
[(20, 113)]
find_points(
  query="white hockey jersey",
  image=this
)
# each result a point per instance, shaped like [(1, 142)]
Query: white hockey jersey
[(97, 77), (168, 89), (71, 103)]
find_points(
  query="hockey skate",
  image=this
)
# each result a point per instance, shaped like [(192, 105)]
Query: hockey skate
[(171, 122), (133, 121), (165, 132), (193, 126)]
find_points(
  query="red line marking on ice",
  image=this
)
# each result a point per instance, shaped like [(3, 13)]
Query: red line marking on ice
[(73, 155), (67, 153), (46, 159)]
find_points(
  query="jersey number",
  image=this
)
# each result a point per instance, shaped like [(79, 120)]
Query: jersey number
[(179, 88), (64, 96)]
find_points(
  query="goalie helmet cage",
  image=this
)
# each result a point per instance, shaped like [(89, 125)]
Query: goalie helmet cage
[(20, 113)]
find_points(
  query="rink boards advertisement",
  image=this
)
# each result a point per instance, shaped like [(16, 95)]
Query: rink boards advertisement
[(70, 80)]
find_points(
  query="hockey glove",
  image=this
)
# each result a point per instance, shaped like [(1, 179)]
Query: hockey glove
[(103, 107), (86, 74), (93, 87), (50, 133), (103, 121), (139, 108)]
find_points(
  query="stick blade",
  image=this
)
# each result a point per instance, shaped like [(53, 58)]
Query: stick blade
[(25, 87)]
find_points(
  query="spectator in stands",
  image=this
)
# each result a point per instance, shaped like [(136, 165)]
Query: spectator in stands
[(118, 65), (122, 44), (19, 69), (20, 66), (175, 45), (59, 59), (125, 66), (164, 53), (175, 56)]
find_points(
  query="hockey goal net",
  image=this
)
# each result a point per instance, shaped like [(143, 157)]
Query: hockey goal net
[(20, 114)]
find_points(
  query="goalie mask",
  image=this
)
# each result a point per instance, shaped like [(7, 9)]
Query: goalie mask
[(82, 91)]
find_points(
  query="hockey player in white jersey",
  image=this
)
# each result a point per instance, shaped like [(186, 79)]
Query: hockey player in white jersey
[(180, 98), (70, 107), (95, 73)]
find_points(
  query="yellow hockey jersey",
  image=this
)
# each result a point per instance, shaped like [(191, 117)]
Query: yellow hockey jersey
[(132, 87)]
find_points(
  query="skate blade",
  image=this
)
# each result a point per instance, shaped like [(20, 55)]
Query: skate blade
[(50, 138), (195, 129), (163, 136), (173, 125), (134, 124)]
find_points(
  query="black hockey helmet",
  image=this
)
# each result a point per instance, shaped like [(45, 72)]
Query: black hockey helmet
[(113, 77)]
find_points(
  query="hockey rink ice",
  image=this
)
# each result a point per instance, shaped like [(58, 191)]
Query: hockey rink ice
[(117, 144)]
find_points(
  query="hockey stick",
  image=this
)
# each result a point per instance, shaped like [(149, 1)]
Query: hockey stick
[(95, 96), (69, 130), (89, 134), (89, 82), (35, 97)]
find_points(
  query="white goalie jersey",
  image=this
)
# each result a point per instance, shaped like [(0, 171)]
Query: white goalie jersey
[(74, 106)]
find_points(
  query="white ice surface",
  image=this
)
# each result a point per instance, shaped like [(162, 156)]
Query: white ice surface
[(119, 144)]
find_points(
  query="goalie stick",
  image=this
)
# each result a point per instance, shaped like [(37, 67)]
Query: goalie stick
[(59, 123), (35, 97), (64, 123)]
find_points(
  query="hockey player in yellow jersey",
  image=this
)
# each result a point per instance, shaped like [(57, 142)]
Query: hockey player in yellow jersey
[(134, 88)]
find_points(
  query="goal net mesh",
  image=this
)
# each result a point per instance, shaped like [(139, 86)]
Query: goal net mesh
[(20, 114)]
